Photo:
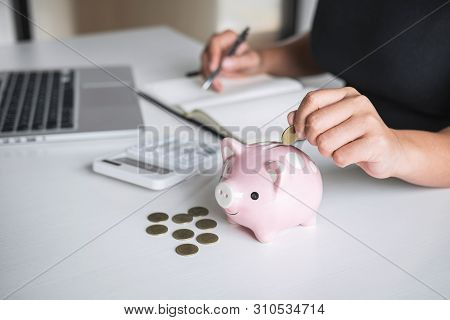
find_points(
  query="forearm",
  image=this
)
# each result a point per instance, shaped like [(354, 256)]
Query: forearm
[(424, 158), (292, 58)]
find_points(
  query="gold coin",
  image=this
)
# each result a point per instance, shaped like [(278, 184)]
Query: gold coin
[(288, 137), (157, 217), (183, 234), (186, 249), (182, 218), (198, 211), (156, 229), (207, 238), (206, 224)]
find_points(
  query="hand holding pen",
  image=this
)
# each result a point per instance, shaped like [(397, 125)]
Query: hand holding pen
[(230, 55)]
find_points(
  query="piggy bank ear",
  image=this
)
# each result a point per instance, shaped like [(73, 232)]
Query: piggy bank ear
[(231, 147), (275, 171)]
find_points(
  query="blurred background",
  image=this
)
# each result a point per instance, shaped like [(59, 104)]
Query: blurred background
[(270, 20)]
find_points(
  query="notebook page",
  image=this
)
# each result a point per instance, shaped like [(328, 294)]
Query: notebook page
[(187, 94), (255, 113)]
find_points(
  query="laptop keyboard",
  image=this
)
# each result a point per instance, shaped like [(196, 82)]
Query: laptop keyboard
[(37, 101)]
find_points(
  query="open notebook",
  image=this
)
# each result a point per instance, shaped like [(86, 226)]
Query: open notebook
[(243, 102)]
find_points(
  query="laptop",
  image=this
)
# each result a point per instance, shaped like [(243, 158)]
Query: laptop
[(67, 104)]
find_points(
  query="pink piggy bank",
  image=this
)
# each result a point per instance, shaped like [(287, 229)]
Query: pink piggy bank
[(268, 187)]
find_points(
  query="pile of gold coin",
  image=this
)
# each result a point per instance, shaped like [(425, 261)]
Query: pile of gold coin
[(182, 218), (186, 249), (206, 224), (158, 217), (207, 238), (183, 234), (198, 212), (156, 229)]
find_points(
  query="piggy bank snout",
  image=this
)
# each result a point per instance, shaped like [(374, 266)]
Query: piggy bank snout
[(224, 195)]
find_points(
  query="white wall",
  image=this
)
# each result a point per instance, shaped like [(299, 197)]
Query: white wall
[(7, 35), (196, 18), (263, 16), (52, 16)]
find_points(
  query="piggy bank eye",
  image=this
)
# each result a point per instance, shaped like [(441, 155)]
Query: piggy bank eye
[(254, 195)]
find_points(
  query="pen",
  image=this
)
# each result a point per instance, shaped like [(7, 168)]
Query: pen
[(240, 38), (192, 73), (167, 109)]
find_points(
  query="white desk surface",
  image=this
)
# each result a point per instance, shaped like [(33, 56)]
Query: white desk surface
[(52, 204)]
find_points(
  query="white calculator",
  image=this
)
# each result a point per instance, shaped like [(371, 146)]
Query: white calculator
[(161, 165)]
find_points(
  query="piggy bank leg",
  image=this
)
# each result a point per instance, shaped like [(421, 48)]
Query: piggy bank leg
[(310, 221), (265, 237), (230, 220)]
